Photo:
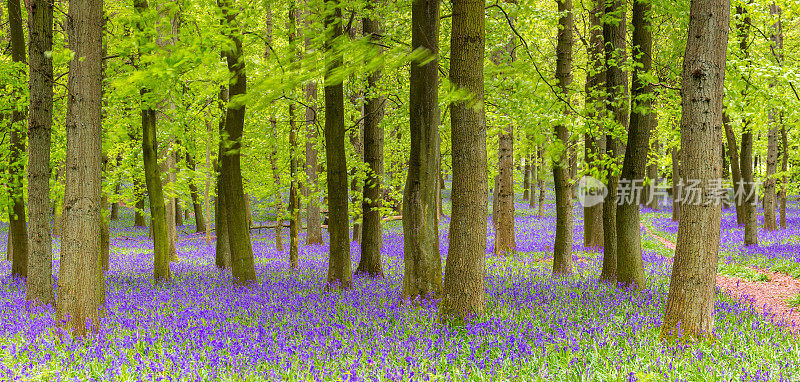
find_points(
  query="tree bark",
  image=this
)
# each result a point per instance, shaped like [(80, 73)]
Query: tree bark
[(243, 265), (40, 261), (155, 192), (689, 312), (313, 215), (273, 158), (540, 180), (464, 289), (736, 174), (562, 247), (526, 180), (614, 32), (676, 177), (746, 156), (16, 215), (770, 197), (595, 101), (197, 207), (338, 209), (138, 191), (630, 266), (81, 284), (372, 232), (294, 195), (422, 275), (222, 249), (504, 239)]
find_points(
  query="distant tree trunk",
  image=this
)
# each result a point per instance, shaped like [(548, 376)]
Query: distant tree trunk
[(770, 197), (541, 181), (199, 218), (81, 284), (114, 216), (504, 240), (562, 247), (526, 182), (534, 177), (651, 199), (40, 261), (594, 145), (313, 215), (273, 158), (736, 174), (494, 190), (422, 275), (676, 178), (750, 199), (338, 209), (105, 239), (614, 32), (784, 169), (15, 167), (690, 303), (155, 192), (372, 238), (464, 290), (138, 191), (630, 266), (356, 140), (222, 253), (294, 195), (168, 180), (243, 265)]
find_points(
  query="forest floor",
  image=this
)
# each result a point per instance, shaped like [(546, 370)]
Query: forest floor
[(201, 327)]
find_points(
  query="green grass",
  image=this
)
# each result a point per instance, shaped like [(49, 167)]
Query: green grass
[(741, 271)]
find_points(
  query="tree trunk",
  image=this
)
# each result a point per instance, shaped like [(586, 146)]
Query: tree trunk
[(526, 182), (770, 197), (372, 233), (138, 191), (422, 275), (294, 195), (750, 198), (313, 215), (676, 178), (736, 174), (562, 247), (222, 252), (114, 216), (614, 32), (464, 290), (356, 140), (105, 239), (273, 158), (199, 218), (540, 181), (534, 177), (630, 266), (651, 199), (784, 169), (168, 180), (690, 303), (40, 261), (81, 284), (155, 192), (243, 265), (504, 239), (16, 167), (338, 209), (594, 145)]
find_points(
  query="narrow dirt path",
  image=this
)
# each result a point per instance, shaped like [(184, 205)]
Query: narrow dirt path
[(768, 297)]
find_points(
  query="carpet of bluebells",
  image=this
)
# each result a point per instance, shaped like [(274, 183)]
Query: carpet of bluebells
[(201, 327)]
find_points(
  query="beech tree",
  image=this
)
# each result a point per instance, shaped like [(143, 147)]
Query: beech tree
[(464, 289), (690, 303), (81, 283)]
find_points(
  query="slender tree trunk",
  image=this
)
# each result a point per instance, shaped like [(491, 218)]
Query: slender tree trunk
[(273, 158), (505, 241), (155, 192), (40, 261), (294, 195), (197, 207), (338, 209), (222, 252), (784, 169), (534, 177), (540, 180), (676, 178), (105, 239), (614, 32), (630, 266), (372, 239), (595, 104), (422, 275), (15, 167), (356, 140), (651, 199), (313, 215), (526, 182), (81, 284), (114, 216), (770, 197), (168, 181), (243, 265), (464, 289), (736, 174), (750, 199), (690, 302), (562, 247), (138, 191)]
